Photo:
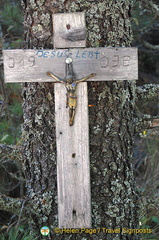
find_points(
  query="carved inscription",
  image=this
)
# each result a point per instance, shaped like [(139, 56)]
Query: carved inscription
[(115, 61), (21, 62), (104, 60), (108, 63)]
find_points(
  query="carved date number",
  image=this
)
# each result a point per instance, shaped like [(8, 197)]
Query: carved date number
[(16, 62)]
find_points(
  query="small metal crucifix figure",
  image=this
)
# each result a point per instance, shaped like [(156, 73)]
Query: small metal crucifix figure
[(70, 84)]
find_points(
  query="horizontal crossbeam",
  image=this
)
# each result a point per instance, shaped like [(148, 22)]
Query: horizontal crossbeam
[(108, 64)]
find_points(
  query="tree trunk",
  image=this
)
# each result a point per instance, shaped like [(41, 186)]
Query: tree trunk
[(114, 201)]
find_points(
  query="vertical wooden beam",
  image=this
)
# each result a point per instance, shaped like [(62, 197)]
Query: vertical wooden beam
[(69, 30), (73, 166)]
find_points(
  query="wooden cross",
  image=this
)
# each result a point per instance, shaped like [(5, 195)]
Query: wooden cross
[(73, 167)]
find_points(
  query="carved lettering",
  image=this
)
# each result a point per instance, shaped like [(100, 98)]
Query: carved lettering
[(126, 61), (21, 63), (31, 60), (115, 61), (104, 61), (108, 63), (11, 63)]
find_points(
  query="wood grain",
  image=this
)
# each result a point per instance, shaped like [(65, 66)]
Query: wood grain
[(69, 30), (73, 167), (108, 64)]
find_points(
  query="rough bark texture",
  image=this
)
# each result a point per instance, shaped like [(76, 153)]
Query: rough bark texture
[(147, 92), (114, 202)]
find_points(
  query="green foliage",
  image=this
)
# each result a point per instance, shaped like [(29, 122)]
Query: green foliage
[(155, 219), (12, 116), (16, 44), (152, 223), (148, 182), (142, 20), (11, 19), (18, 233), (14, 87), (11, 24), (10, 132), (16, 109)]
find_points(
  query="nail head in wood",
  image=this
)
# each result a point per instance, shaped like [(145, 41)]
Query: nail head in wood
[(69, 30)]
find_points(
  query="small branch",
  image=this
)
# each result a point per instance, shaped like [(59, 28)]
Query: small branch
[(21, 210), (147, 92), (12, 205), (146, 122), (154, 7), (11, 152), (7, 149), (14, 175), (150, 46)]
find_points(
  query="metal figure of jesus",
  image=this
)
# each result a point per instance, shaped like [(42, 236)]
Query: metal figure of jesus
[(70, 84)]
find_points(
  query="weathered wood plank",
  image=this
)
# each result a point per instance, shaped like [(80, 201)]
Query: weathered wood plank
[(73, 167), (108, 64), (69, 30)]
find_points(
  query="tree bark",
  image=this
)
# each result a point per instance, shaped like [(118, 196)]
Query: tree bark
[(114, 199)]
